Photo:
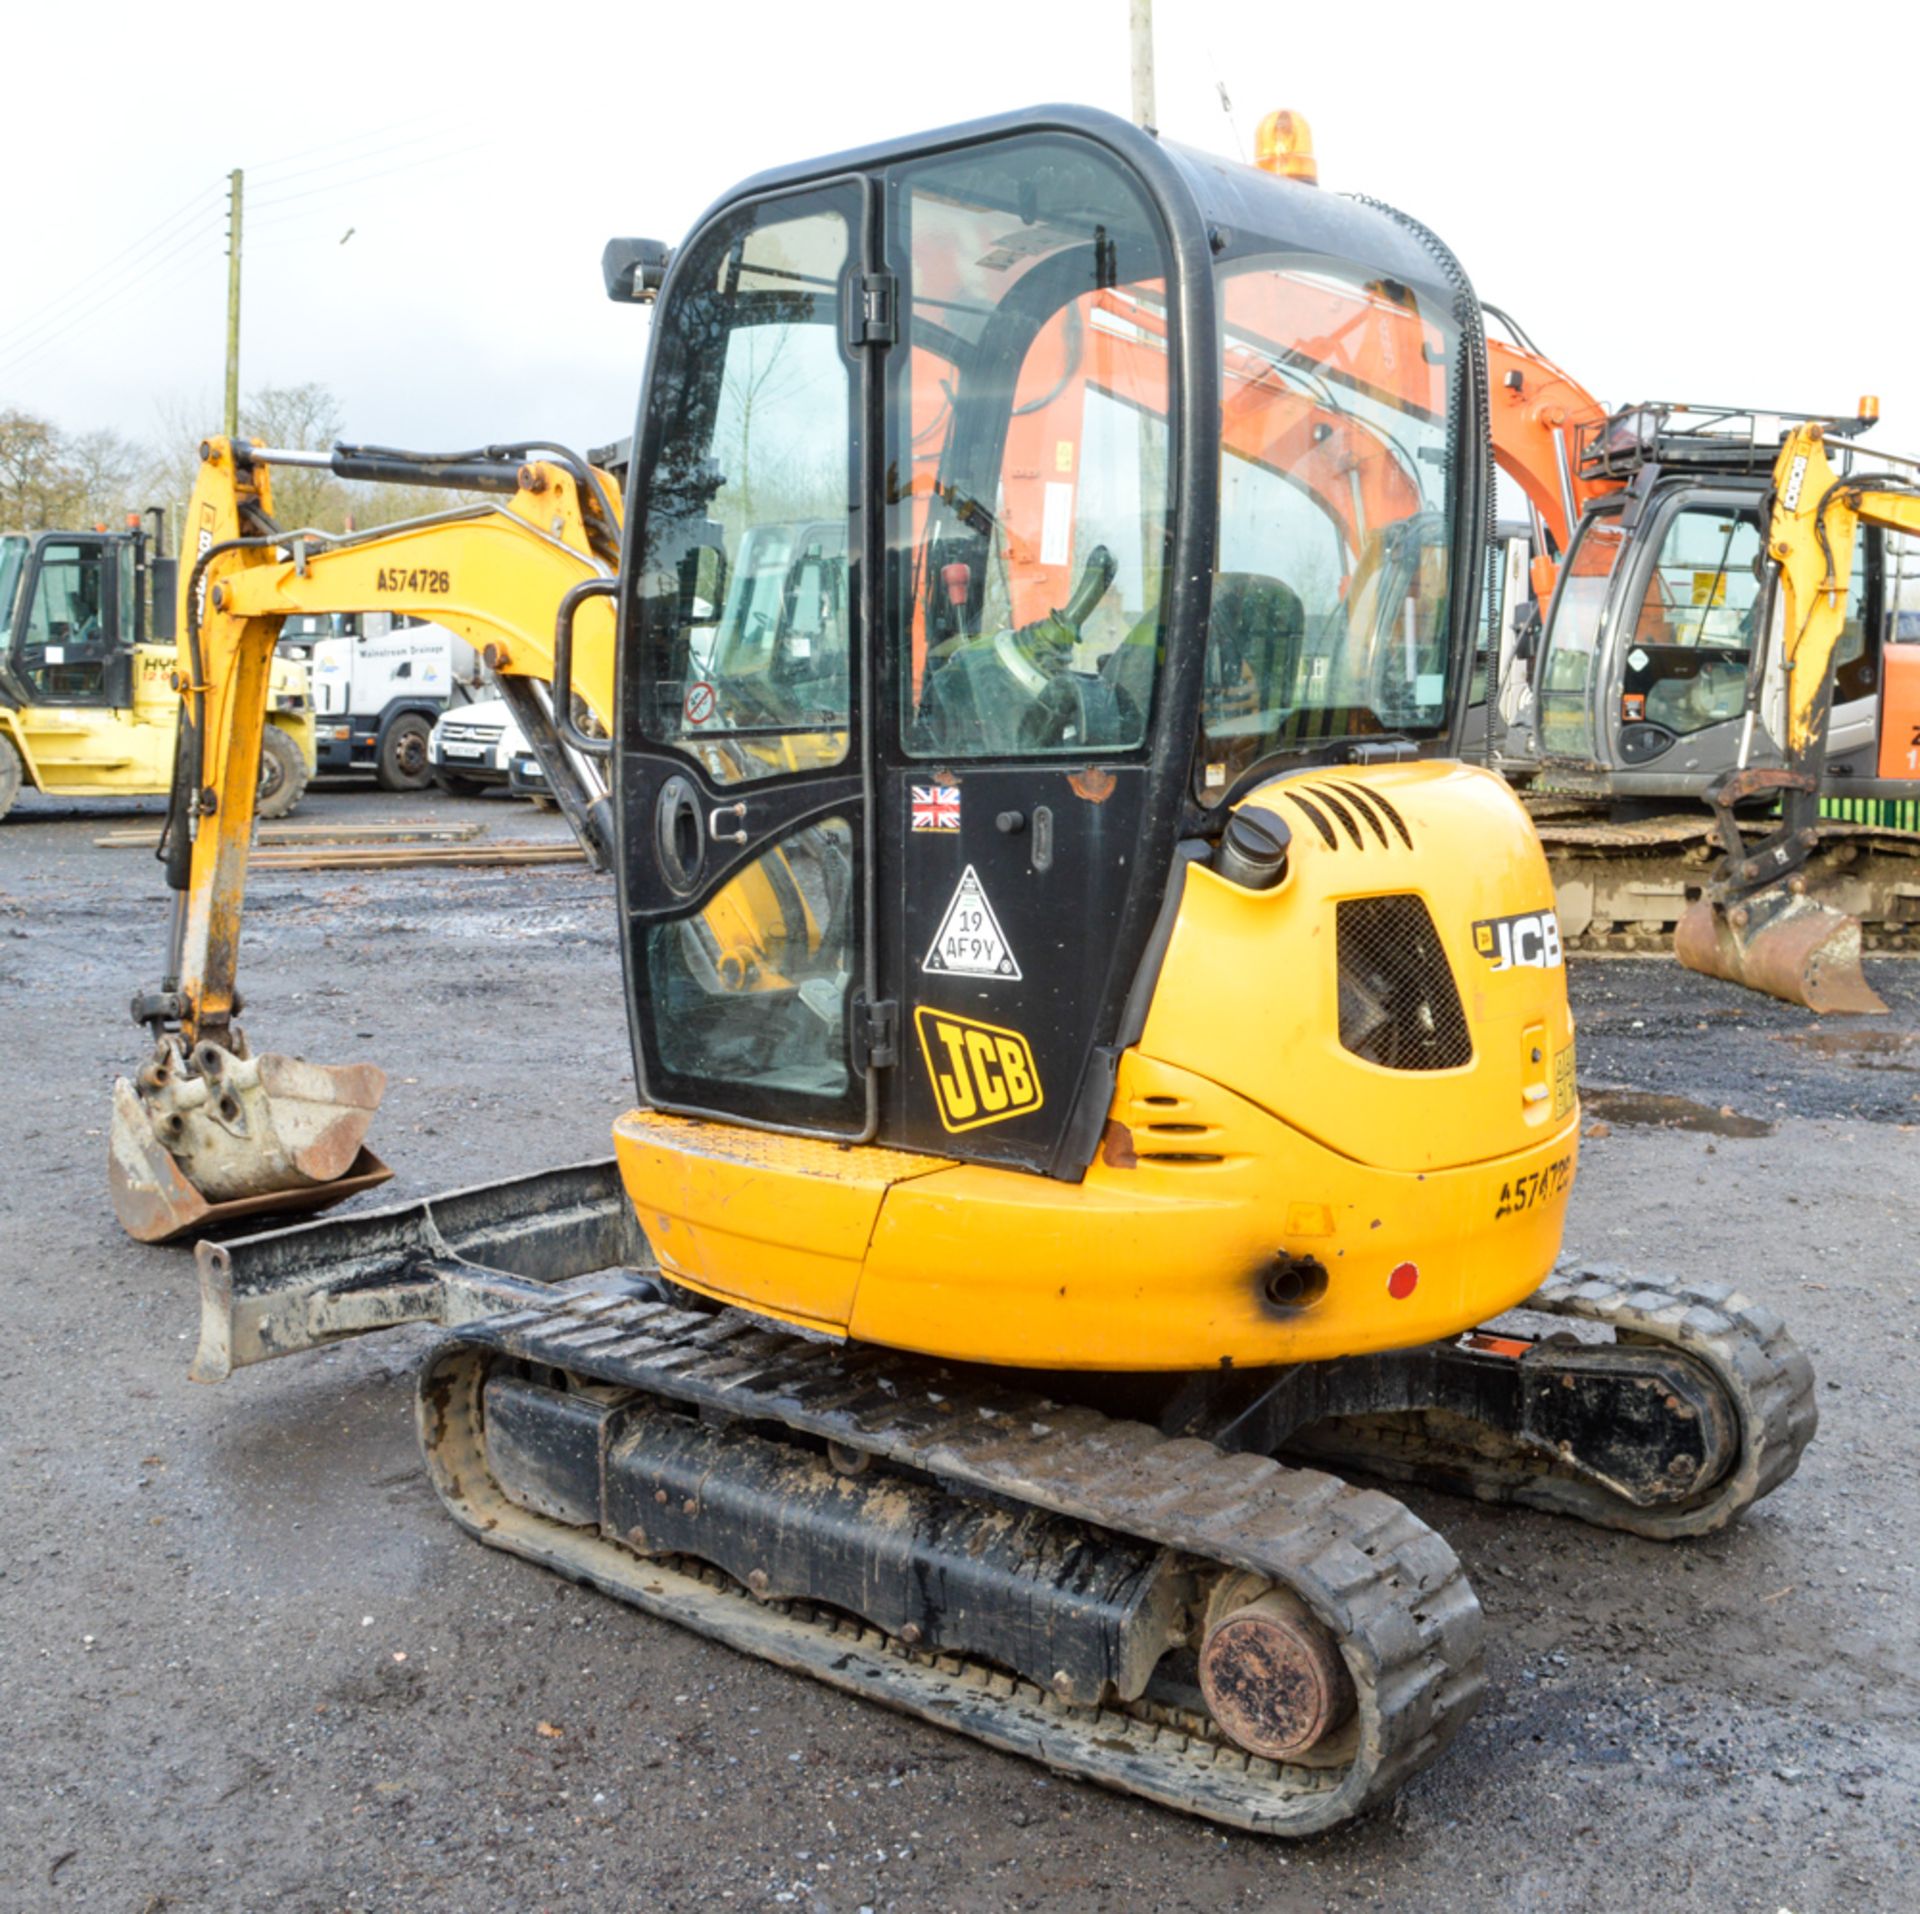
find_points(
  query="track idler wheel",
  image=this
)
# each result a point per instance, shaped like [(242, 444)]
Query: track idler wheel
[(205, 1135), (1787, 945), (1272, 1675)]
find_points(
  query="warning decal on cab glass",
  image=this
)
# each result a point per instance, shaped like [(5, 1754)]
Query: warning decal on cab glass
[(981, 1073)]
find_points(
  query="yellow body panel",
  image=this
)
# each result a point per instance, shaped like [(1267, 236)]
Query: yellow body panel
[(1163, 1264), (1249, 992), (1242, 1139), (780, 1223)]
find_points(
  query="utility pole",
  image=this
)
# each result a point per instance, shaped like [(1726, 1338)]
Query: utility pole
[(1142, 41), (236, 187)]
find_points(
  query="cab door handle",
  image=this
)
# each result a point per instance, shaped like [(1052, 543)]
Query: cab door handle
[(738, 812)]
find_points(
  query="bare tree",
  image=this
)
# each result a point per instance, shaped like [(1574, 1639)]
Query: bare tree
[(302, 418), (50, 479), (180, 427), (104, 471), (32, 479)]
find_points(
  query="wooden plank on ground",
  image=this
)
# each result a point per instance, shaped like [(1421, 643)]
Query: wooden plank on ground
[(147, 840), (400, 857)]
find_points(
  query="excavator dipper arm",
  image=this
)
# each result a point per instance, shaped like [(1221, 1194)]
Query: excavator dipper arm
[(206, 1129), (1756, 924)]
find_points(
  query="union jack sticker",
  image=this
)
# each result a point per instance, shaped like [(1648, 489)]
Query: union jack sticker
[(936, 807)]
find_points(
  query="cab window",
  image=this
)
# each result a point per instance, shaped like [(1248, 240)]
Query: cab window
[(64, 644), (1331, 597), (1695, 629), (1856, 659), (127, 597), (1572, 645), (1029, 509), (748, 635)]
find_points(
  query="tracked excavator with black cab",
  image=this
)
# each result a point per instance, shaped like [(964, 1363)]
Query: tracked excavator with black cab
[(1104, 1065), (1665, 717)]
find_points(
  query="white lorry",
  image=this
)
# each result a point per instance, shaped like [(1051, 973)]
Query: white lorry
[(380, 683)]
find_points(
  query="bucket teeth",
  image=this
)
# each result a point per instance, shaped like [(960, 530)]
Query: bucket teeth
[(197, 1137), (1788, 946)]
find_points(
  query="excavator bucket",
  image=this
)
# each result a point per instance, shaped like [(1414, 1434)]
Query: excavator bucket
[(204, 1137), (1791, 947)]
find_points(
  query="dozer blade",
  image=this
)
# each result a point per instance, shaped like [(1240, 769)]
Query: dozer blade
[(1790, 947), (203, 1138), (447, 1259)]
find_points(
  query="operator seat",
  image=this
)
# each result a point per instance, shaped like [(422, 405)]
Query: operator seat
[(1258, 627)]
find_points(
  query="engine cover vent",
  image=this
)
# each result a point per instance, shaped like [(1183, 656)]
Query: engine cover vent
[(1399, 1005), (1334, 805)]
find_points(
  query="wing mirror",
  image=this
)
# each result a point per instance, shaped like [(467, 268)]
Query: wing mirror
[(634, 269)]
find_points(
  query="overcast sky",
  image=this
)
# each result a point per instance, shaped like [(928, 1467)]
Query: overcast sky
[(1676, 199)]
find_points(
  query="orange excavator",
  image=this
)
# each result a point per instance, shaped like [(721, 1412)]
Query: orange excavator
[(1538, 415)]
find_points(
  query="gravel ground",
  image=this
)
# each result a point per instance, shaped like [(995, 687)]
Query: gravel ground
[(249, 1664)]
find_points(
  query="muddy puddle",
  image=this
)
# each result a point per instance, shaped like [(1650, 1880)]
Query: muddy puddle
[(1650, 1110), (1864, 1049)]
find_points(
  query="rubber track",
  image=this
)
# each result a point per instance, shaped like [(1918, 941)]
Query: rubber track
[(1648, 939), (1765, 1374), (1575, 838), (1391, 1590)]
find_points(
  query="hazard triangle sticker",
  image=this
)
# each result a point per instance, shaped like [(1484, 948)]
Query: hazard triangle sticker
[(970, 942)]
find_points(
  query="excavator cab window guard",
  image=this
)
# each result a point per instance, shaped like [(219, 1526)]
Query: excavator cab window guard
[(1711, 438)]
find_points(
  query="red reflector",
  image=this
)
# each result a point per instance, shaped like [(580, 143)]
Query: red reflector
[(1400, 1283)]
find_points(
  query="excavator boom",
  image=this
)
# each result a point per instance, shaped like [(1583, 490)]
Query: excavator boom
[(1537, 415), (206, 1130), (1756, 924)]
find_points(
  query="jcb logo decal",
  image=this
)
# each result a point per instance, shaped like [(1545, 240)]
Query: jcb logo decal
[(981, 1073), (1530, 941)]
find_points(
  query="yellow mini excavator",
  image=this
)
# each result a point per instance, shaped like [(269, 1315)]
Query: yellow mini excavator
[(1097, 1047)]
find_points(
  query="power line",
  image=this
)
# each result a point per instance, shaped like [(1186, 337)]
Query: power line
[(351, 159), (177, 245), (48, 351), (56, 329), (327, 146), (116, 265), (186, 257), (384, 172)]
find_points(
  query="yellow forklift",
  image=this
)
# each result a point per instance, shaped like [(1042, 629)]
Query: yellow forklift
[(88, 702)]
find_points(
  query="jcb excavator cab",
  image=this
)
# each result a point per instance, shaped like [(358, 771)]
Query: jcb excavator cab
[(1084, 611)]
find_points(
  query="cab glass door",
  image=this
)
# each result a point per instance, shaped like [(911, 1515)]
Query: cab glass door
[(740, 782), (1030, 451), (68, 638), (1684, 663), (1570, 652)]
